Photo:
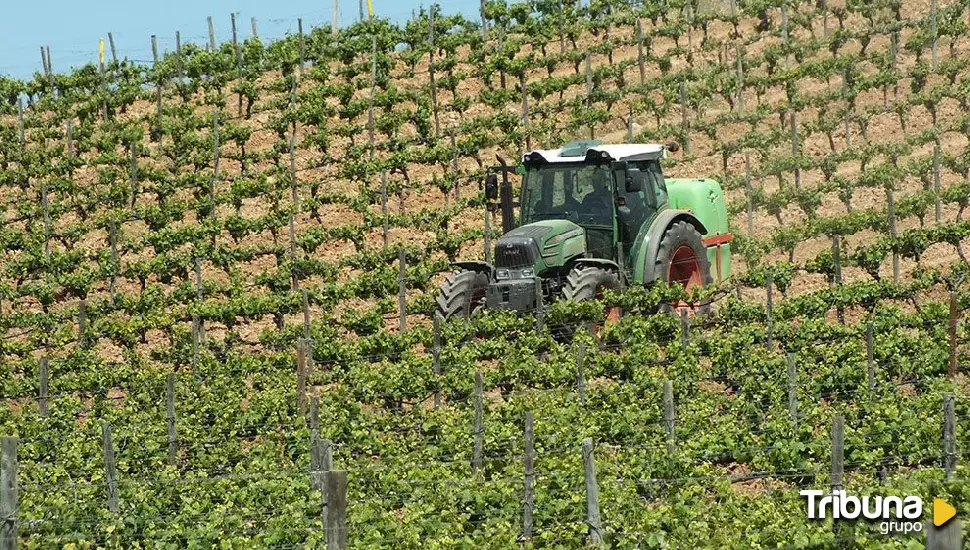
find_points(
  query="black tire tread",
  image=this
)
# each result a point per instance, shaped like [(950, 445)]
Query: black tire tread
[(456, 293), (583, 282)]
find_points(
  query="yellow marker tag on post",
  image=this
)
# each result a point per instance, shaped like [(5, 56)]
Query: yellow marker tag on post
[(370, 9), (942, 512), (101, 50)]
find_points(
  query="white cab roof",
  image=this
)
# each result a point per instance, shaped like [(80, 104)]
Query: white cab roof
[(619, 151)]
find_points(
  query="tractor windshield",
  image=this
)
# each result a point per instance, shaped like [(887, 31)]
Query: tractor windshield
[(582, 193)]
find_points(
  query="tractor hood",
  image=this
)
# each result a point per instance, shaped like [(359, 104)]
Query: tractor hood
[(540, 245)]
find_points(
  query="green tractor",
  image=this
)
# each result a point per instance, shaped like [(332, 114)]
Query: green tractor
[(593, 217)]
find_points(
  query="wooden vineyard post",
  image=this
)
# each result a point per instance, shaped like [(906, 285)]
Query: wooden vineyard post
[(740, 63), (894, 51), (592, 496), (316, 456), (949, 436), (870, 358), (792, 388), (305, 305), (848, 111), (589, 90), (525, 113), (643, 73), (301, 47), (825, 18), (9, 494), (200, 295), (436, 356), (434, 94), (384, 206), (769, 326), (479, 427), (336, 524), (670, 416), (252, 22), (239, 61), (23, 137), (891, 207), (301, 376), (178, 54), (936, 181), (953, 365), (560, 22), (689, 18), (684, 122), (43, 397), (45, 205), (481, 10), (158, 90), (748, 191), (70, 144), (784, 34), (113, 245), (170, 402), (110, 473), (370, 104), (794, 148), (500, 43), (838, 449), (333, 27), (197, 266), (212, 34), (114, 52), (946, 537), (528, 462), (836, 258), (401, 290), (215, 164), (580, 375), (933, 35), (195, 343)]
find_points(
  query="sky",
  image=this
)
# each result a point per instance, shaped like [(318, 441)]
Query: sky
[(72, 29)]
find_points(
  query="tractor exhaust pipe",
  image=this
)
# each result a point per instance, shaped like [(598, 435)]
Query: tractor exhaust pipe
[(505, 198)]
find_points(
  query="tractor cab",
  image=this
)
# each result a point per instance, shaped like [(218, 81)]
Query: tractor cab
[(589, 185)]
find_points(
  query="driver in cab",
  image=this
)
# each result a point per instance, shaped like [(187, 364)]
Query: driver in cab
[(598, 203)]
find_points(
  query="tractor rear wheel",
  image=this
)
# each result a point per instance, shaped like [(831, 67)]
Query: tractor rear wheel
[(589, 283), (462, 294), (682, 259)]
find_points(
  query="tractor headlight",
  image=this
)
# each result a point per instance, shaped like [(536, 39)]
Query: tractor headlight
[(528, 273), (501, 273)]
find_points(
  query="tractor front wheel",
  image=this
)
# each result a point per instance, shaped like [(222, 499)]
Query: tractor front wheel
[(682, 259), (462, 294), (589, 283)]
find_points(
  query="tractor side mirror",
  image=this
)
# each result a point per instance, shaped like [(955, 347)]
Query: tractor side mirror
[(491, 187), (621, 169)]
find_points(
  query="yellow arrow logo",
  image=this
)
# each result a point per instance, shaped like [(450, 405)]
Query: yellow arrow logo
[(942, 512)]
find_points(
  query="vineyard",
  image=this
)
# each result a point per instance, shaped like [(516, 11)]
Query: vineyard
[(218, 273)]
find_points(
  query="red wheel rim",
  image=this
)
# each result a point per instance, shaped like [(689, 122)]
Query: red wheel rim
[(684, 269)]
